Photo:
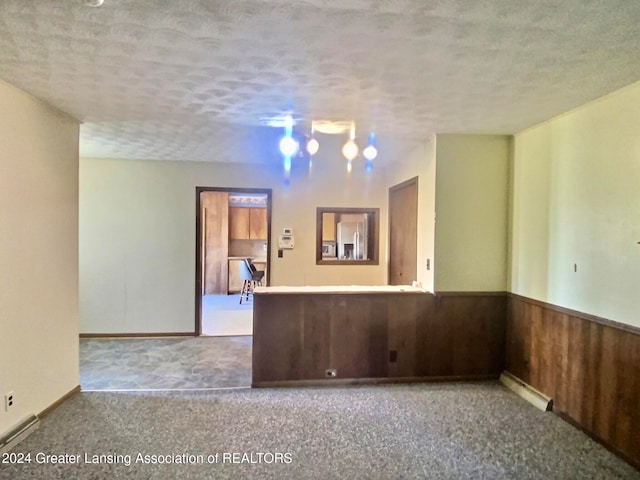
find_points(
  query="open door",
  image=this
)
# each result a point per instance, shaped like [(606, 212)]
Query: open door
[(231, 224)]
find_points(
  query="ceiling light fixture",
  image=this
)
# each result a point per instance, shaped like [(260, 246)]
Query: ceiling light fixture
[(293, 144), (350, 149), (312, 145), (289, 146), (329, 127), (93, 3), (370, 152)]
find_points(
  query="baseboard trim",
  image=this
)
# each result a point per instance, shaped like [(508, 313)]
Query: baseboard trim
[(526, 391), (331, 382), (58, 402), (471, 294), (137, 335)]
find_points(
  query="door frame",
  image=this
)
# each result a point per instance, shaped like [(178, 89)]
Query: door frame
[(198, 255)]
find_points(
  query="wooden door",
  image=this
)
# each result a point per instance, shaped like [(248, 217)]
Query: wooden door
[(403, 232), (216, 241)]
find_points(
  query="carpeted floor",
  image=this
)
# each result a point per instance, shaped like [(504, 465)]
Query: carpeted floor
[(438, 431)]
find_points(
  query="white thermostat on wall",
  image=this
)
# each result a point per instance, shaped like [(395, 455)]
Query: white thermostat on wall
[(286, 242)]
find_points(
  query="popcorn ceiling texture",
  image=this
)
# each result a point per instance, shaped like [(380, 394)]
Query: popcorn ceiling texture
[(197, 79)]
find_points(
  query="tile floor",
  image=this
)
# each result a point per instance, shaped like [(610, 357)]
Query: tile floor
[(165, 363), (224, 315)]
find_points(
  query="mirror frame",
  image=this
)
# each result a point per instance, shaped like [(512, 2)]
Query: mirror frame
[(375, 212)]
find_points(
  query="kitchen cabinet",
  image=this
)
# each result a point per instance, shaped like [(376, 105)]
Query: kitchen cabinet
[(235, 281), (238, 223), (328, 227), (258, 223), (247, 223)]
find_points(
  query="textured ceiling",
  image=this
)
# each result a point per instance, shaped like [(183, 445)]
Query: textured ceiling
[(197, 79)]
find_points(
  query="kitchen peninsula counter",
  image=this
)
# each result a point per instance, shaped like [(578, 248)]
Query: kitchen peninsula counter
[(314, 335), (340, 289)]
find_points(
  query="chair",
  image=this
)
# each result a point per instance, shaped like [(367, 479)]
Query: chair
[(251, 277)]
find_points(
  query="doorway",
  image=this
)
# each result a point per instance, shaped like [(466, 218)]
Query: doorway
[(231, 224), (403, 232)]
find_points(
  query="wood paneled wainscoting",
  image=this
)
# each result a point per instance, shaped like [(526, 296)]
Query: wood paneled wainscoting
[(375, 336), (589, 366)]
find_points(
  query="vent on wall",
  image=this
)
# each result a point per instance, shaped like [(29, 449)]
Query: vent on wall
[(19, 433)]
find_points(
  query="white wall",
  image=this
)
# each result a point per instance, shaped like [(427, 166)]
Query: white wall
[(38, 255), (421, 163), (472, 198), (137, 233), (576, 202)]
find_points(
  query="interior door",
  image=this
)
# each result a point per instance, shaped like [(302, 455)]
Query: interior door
[(216, 241), (403, 232)]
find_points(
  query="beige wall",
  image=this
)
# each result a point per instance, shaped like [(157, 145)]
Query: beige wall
[(38, 255), (472, 192), (421, 163), (137, 233), (576, 202)]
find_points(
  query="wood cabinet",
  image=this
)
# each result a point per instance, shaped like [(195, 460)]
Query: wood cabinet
[(247, 223), (235, 281), (258, 223), (238, 223), (328, 227)]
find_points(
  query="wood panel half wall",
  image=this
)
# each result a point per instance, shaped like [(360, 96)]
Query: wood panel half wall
[(379, 337), (589, 366)]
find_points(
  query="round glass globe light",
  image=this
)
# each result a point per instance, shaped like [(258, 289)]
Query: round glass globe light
[(350, 150), (313, 146), (288, 146), (370, 152)]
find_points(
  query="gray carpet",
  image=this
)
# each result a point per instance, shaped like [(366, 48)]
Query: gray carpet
[(440, 431)]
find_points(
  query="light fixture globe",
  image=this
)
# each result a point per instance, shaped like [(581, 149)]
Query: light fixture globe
[(350, 150), (313, 146), (370, 152), (288, 146)]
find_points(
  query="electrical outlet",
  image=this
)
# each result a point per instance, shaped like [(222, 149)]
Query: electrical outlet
[(331, 373), (9, 401)]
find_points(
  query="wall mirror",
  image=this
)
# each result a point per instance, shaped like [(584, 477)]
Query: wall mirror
[(347, 236)]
